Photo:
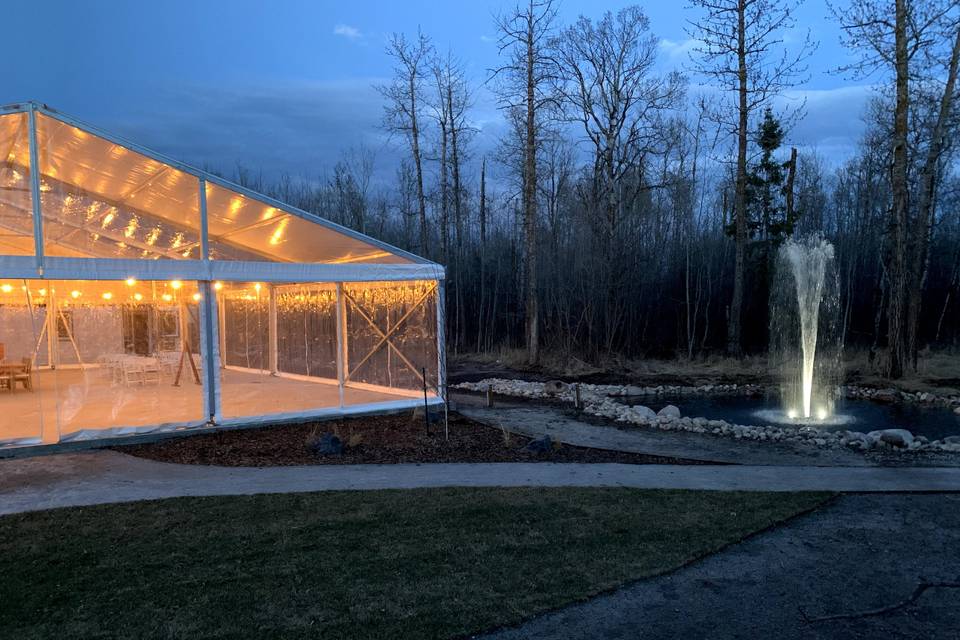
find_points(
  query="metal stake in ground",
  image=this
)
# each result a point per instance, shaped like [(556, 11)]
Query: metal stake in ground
[(426, 411)]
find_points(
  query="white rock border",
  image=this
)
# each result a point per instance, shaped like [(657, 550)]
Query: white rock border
[(598, 400)]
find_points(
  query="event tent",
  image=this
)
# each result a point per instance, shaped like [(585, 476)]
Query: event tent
[(139, 294)]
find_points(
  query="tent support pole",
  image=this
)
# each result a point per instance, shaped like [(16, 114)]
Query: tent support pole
[(53, 348), (222, 326), (35, 188), (272, 339), (342, 363), (208, 347), (442, 340)]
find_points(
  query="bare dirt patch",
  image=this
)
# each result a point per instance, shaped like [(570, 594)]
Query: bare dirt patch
[(385, 439)]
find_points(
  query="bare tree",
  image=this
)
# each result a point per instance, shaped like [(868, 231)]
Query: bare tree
[(743, 52), (404, 97), (909, 46), (524, 88), (607, 84), (449, 102)]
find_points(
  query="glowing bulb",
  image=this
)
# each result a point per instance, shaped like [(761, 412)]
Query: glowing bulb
[(257, 286), (167, 297), (6, 288), (131, 282), (74, 294), (107, 295), (196, 297), (821, 414), (217, 286), (138, 297), (176, 284), (42, 292), (792, 414)]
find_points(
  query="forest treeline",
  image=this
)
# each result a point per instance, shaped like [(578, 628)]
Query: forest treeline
[(636, 212)]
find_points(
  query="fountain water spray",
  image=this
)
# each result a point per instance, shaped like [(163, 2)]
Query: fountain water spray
[(804, 328), (808, 261)]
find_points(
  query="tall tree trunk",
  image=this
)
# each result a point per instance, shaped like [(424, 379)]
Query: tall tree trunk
[(415, 145), (897, 228), (530, 201), (788, 187), (734, 346), (923, 225), (483, 247), (457, 215)]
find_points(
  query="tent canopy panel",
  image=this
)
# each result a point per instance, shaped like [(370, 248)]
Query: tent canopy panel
[(237, 219), (16, 209), (105, 198)]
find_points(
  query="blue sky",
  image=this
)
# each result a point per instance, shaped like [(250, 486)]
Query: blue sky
[(284, 86)]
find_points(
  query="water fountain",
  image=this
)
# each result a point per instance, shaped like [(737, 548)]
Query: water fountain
[(804, 332)]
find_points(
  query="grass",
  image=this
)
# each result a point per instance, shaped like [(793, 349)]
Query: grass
[(387, 564)]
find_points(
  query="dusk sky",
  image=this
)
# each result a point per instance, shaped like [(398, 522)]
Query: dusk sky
[(285, 86)]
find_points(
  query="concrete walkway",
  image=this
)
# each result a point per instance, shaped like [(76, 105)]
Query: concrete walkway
[(97, 477)]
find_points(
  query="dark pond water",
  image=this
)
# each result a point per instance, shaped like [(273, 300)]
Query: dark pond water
[(932, 422)]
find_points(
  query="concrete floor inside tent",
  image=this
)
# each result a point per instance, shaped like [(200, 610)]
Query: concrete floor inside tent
[(66, 401)]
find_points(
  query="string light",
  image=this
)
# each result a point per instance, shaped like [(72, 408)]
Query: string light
[(138, 297), (131, 282), (196, 297), (6, 288), (176, 284), (75, 294), (217, 286), (107, 295), (167, 297)]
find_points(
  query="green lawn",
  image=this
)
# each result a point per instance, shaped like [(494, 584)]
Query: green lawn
[(384, 564)]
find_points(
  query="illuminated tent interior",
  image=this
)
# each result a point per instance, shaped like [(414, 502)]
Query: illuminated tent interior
[(138, 294)]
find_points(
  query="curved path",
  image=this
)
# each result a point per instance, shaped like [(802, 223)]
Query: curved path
[(816, 577), (98, 477), (535, 420)]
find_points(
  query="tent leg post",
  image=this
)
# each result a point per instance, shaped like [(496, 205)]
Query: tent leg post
[(272, 332), (209, 341), (342, 362)]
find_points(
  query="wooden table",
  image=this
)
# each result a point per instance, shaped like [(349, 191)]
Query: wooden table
[(9, 370)]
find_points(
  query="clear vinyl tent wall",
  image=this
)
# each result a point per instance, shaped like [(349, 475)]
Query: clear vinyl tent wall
[(138, 295)]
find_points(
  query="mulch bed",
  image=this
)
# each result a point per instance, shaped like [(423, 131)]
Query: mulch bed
[(385, 439)]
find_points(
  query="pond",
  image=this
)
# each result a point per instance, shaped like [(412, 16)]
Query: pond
[(862, 415)]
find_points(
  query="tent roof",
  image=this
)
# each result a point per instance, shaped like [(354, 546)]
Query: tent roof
[(105, 197)]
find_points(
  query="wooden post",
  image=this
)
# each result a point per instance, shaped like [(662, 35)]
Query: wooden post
[(576, 397), (489, 396)]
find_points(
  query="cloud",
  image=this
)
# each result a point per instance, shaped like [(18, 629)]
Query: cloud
[(348, 32), (677, 50), (833, 121), (294, 128), (487, 39)]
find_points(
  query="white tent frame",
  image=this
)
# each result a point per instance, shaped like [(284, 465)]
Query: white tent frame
[(206, 272)]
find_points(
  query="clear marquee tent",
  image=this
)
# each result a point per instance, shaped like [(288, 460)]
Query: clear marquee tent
[(138, 295)]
